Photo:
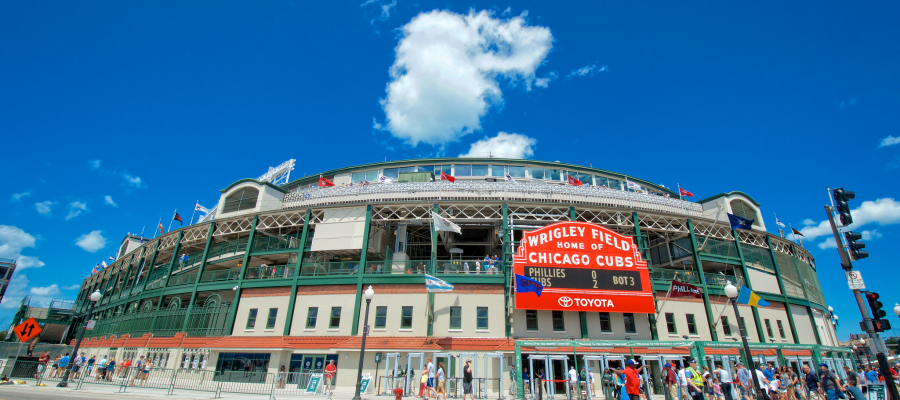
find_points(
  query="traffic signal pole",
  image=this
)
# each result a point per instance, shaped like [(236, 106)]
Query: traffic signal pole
[(883, 365)]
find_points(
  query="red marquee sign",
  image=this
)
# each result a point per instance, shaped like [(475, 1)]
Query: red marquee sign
[(579, 266)]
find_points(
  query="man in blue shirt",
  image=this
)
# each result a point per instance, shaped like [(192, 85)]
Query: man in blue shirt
[(64, 362), (871, 376), (769, 372)]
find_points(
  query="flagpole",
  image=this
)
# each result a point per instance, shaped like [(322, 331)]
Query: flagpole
[(158, 224), (195, 211), (666, 299), (173, 219), (679, 192), (792, 233)]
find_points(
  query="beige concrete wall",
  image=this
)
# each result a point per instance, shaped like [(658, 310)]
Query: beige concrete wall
[(763, 282), (469, 304), (262, 305), (324, 302), (395, 303), (804, 328), (573, 326), (680, 309), (774, 315)]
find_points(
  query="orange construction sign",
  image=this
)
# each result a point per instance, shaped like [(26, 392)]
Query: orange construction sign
[(27, 330)]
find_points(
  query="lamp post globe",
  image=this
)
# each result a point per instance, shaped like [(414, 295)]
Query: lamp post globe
[(897, 309), (830, 309), (369, 294), (95, 297), (730, 290), (862, 341)]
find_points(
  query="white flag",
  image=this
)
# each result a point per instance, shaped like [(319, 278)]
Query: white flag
[(509, 177), (384, 179), (632, 185), (777, 222), (103, 264), (201, 209), (433, 284), (444, 224)]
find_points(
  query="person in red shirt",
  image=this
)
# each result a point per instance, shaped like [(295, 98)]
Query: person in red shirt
[(42, 363), (671, 381), (330, 370), (632, 380)]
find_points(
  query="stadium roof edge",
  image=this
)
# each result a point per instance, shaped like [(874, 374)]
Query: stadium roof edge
[(726, 194), (238, 182), (479, 160)]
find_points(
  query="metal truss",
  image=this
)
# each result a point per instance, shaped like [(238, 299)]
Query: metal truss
[(401, 212), (472, 211), (167, 242), (195, 233), (604, 217), (232, 226), (752, 238), (662, 223), (281, 219), (784, 247), (316, 216), (712, 229), (538, 213)]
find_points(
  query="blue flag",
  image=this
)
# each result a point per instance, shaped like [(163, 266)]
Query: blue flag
[(433, 284), (525, 284), (739, 222), (751, 299)]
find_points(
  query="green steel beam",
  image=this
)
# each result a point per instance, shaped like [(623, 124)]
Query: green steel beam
[(229, 321), (695, 253), (127, 273), (432, 268), (293, 299), (363, 255), (507, 270), (209, 241), (187, 314), (642, 247), (787, 304), (174, 256), (737, 244)]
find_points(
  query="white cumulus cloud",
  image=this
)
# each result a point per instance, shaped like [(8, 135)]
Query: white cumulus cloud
[(91, 242), (504, 145), (882, 212), (94, 164), (109, 201), (12, 241), (133, 181), (45, 207), (890, 140), (866, 235), (75, 209), (19, 196), (587, 70), (44, 291), (447, 72), (72, 287), (19, 288)]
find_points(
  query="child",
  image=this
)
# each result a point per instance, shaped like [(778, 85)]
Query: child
[(718, 389)]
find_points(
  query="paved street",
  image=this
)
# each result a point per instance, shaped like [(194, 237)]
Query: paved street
[(16, 392)]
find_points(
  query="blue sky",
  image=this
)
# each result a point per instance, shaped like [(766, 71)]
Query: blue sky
[(158, 105)]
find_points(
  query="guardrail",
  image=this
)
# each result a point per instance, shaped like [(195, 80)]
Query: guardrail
[(667, 275), (277, 242), (271, 272), (329, 268), (220, 275), (485, 191)]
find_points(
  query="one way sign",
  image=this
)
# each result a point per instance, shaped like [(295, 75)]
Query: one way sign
[(27, 330)]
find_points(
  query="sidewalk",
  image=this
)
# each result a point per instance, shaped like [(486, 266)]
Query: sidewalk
[(139, 392)]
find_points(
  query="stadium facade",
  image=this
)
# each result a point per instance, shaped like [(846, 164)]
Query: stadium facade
[(275, 275)]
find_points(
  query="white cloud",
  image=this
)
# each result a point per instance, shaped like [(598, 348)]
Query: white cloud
[(19, 196), (587, 70), (45, 291), (446, 73), (809, 221), (12, 241), (72, 287), (45, 207), (507, 11), (888, 141), (883, 212), (866, 235), (94, 164), (545, 81), (75, 209), (133, 181), (504, 145), (109, 201), (91, 242)]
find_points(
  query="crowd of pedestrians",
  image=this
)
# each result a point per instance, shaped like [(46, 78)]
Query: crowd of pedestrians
[(84, 367)]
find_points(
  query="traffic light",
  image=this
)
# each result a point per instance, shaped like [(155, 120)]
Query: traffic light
[(875, 305), (841, 197), (855, 243), (881, 325)]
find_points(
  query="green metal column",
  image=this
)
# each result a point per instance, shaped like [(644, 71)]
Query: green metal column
[(737, 244), (572, 215), (787, 304), (436, 208), (643, 248), (209, 242), (174, 256), (361, 273), (187, 314), (809, 310), (229, 322), (127, 272), (695, 253), (293, 299), (815, 328), (150, 267), (507, 269), (156, 313)]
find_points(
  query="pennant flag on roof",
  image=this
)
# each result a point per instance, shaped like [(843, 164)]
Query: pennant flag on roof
[(442, 224), (111, 258), (161, 229), (202, 209), (751, 299), (796, 232), (779, 223), (739, 222), (178, 218), (573, 181), (384, 179), (509, 177), (446, 177), (325, 182), (433, 285), (685, 193)]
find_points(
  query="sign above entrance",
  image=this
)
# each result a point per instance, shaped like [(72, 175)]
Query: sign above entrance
[(579, 266)]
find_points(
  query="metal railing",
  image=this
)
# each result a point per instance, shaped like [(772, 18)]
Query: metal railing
[(722, 280), (397, 267), (271, 272), (466, 190), (278, 242), (475, 266), (220, 275), (329, 268), (229, 248), (183, 279), (668, 275)]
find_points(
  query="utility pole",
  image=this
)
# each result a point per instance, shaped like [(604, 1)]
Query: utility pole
[(841, 196)]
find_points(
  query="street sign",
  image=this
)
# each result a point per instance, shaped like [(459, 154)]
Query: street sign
[(27, 330), (364, 383), (855, 280), (90, 325), (876, 392), (313, 385)]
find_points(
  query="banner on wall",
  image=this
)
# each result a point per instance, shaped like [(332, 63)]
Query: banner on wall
[(580, 266)]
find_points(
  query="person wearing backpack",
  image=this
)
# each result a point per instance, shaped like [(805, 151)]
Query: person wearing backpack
[(829, 383)]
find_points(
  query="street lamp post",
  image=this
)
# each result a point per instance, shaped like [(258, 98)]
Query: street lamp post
[(865, 349), (95, 297), (369, 293), (732, 293)]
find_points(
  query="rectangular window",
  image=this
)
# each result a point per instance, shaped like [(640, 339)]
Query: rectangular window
[(335, 322), (391, 173), (692, 324), (455, 317), (426, 168), (535, 173), (553, 174), (605, 323), (768, 328), (407, 169), (516, 172), (531, 320), (363, 176), (559, 324), (251, 318), (670, 323), (630, 326), (725, 327), (273, 316), (780, 328), (498, 170), (480, 170), (311, 317), (406, 317), (380, 317), (463, 170), (481, 315)]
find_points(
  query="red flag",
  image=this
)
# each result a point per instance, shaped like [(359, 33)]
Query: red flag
[(161, 230), (685, 192), (178, 218), (573, 181), (681, 289), (95, 270), (796, 232), (447, 177), (325, 182)]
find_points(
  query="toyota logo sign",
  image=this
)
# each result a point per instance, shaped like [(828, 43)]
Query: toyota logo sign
[(565, 301)]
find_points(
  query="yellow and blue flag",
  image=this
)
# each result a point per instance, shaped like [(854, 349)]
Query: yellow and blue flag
[(751, 299)]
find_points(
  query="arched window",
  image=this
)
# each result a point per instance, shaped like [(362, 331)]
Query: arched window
[(243, 199), (745, 210)]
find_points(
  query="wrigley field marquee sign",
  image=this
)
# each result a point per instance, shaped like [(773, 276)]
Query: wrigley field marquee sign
[(579, 266)]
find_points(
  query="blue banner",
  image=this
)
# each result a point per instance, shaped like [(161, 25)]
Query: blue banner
[(525, 284)]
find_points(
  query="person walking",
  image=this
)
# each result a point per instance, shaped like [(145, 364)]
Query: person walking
[(439, 382), (467, 380), (682, 384), (694, 380), (724, 382), (811, 380), (632, 380), (429, 384), (573, 382), (670, 381), (829, 383), (330, 371), (512, 381)]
